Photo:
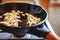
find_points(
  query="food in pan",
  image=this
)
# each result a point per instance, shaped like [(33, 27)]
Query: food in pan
[(32, 19), (16, 18)]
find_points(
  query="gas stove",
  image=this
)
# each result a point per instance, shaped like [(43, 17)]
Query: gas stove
[(46, 26)]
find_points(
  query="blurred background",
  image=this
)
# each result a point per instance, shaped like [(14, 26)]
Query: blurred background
[(53, 9)]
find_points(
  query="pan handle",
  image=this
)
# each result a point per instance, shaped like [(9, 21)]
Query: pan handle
[(39, 33)]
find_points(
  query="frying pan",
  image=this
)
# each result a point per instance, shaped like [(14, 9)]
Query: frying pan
[(26, 8)]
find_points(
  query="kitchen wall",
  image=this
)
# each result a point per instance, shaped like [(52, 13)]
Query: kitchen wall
[(54, 15), (15, 0), (54, 18)]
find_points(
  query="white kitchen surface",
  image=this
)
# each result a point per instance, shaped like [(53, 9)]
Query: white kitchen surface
[(5, 35), (54, 18)]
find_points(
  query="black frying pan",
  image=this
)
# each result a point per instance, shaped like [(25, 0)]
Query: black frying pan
[(29, 8)]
